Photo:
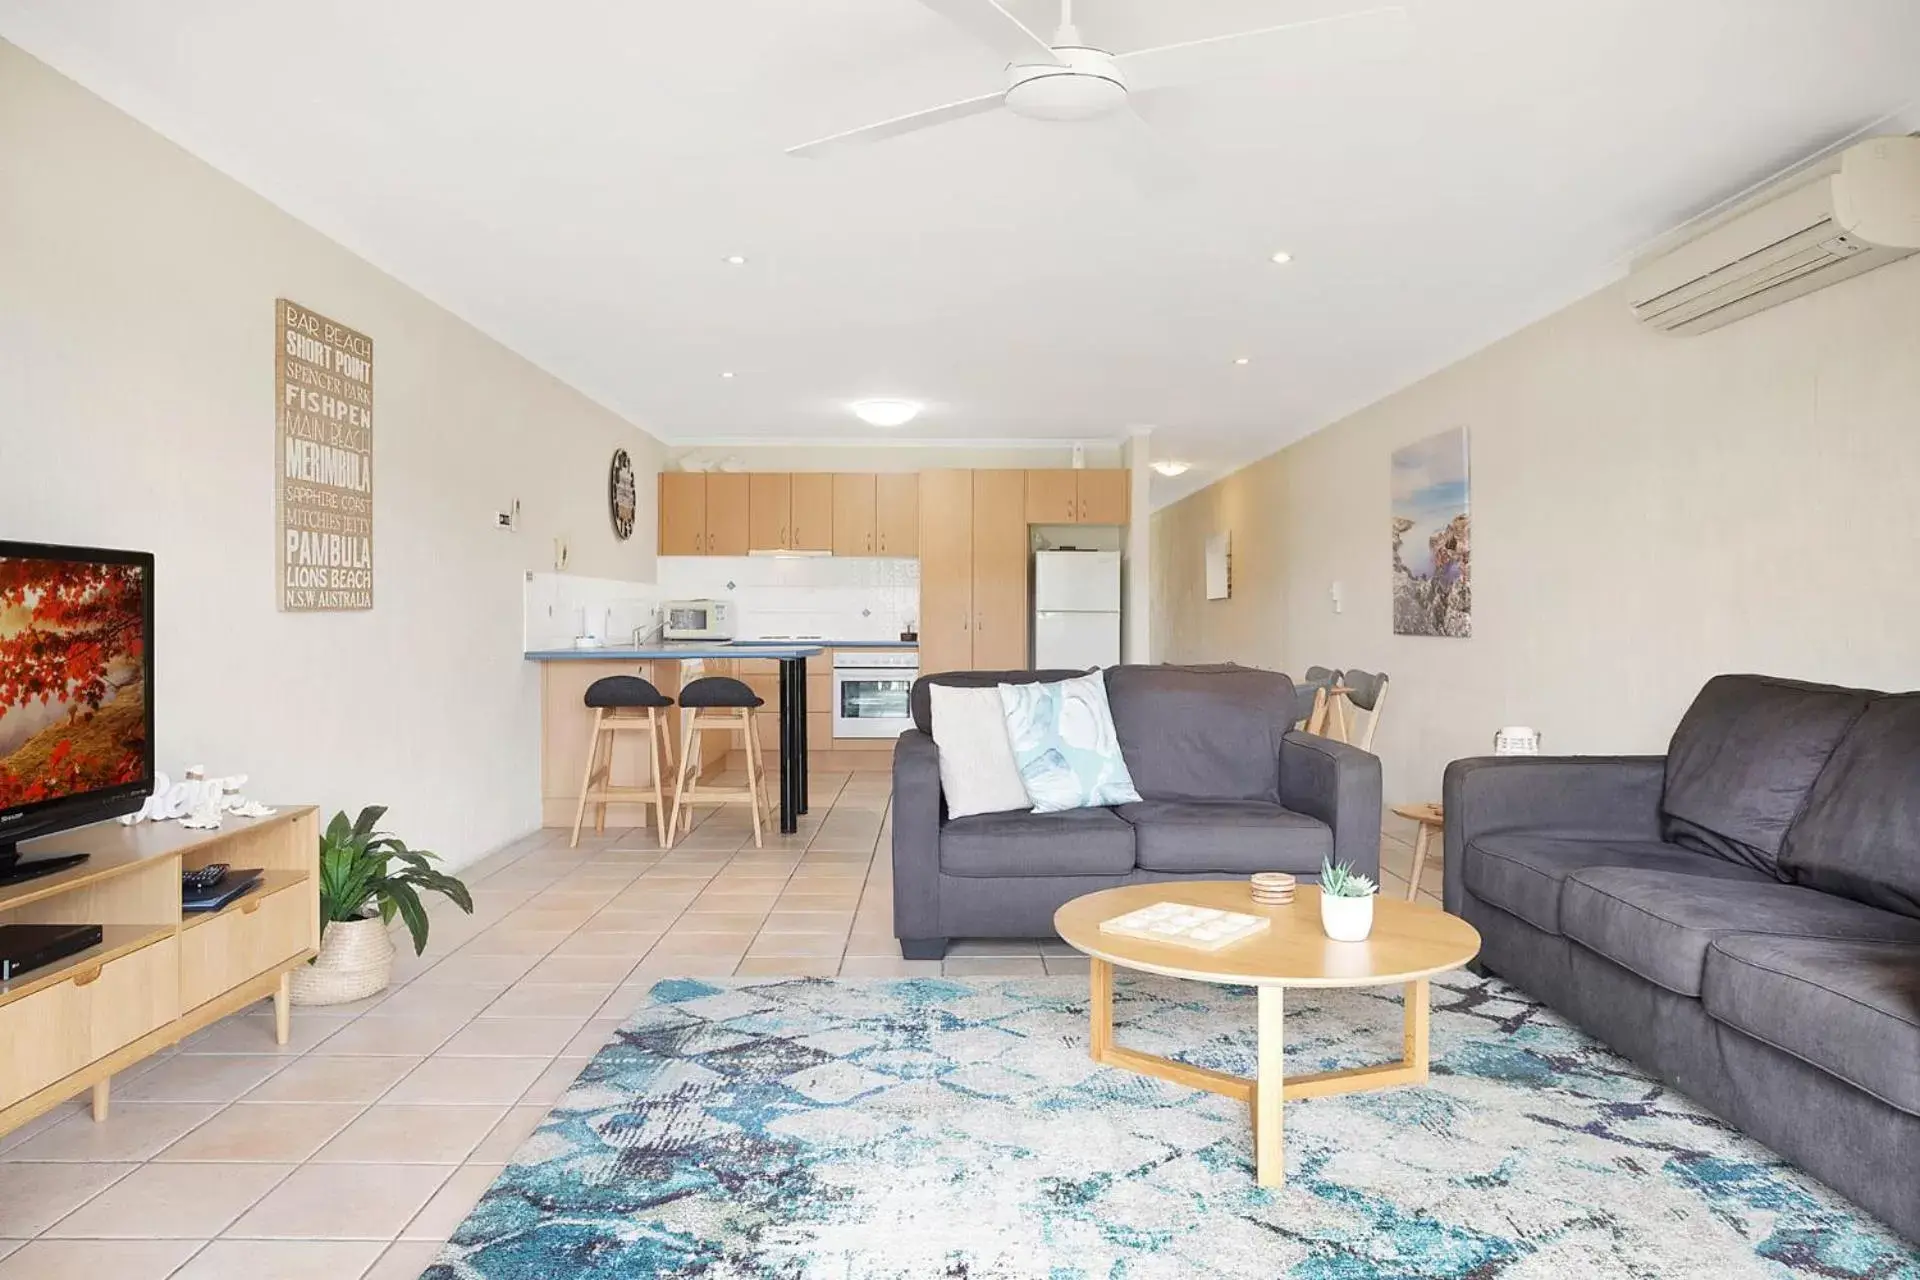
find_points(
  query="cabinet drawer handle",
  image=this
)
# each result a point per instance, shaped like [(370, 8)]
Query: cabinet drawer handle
[(249, 905), (88, 978)]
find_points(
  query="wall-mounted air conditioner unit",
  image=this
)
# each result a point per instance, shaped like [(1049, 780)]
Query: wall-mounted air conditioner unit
[(1806, 237)]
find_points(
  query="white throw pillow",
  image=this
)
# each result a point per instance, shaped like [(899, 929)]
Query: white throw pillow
[(977, 771)]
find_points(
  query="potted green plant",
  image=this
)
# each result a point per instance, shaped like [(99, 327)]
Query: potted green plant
[(366, 878), (1346, 902)]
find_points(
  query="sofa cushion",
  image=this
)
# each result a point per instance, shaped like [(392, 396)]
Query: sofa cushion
[(1523, 874), (1233, 836), (1744, 759), (920, 702), (1860, 833), (1851, 1009), (1062, 738), (1201, 733), (1074, 842), (1659, 924)]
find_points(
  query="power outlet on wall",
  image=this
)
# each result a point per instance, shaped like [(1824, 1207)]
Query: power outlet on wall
[(509, 519)]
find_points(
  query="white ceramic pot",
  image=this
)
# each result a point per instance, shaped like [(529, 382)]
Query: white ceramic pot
[(355, 961), (1346, 919)]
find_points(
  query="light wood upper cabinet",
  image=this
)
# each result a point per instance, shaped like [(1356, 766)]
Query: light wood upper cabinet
[(727, 520), (1103, 495), (683, 513), (896, 515), (946, 571), (999, 570), (1052, 497), (811, 509), (1077, 497), (770, 510), (853, 511)]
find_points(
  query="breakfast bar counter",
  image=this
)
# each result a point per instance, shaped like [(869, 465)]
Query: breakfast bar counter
[(566, 673)]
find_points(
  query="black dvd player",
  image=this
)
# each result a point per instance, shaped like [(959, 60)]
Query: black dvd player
[(31, 946)]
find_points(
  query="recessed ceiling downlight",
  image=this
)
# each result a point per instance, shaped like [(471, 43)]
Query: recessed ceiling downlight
[(736, 260), (1170, 467), (1282, 258), (885, 413)]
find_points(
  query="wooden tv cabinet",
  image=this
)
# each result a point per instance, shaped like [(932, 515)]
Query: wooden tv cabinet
[(156, 977)]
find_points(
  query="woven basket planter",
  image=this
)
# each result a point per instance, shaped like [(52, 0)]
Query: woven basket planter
[(355, 961)]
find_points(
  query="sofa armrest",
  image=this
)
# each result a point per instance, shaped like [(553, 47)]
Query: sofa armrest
[(916, 836), (1563, 797), (1340, 785)]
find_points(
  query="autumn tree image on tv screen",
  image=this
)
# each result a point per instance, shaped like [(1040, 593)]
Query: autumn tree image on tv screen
[(72, 678)]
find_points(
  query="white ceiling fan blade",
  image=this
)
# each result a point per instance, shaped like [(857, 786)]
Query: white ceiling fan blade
[(1370, 33), (901, 124), (990, 24)]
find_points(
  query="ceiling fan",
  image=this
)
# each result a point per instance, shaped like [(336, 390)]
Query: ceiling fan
[(1067, 79)]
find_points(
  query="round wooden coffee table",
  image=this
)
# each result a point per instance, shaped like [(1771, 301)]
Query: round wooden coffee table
[(1410, 943)]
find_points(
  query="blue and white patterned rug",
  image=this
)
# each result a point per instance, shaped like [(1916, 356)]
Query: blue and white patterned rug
[(802, 1129)]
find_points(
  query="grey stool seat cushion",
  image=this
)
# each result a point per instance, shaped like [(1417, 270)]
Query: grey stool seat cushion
[(1076, 842), (719, 691), (1850, 1008), (625, 691), (1659, 924), (1233, 836), (1523, 874)]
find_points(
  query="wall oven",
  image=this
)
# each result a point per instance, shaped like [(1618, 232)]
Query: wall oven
[(870, 693)]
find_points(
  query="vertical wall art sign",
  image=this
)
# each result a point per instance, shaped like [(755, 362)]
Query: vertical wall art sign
[(323, 407)]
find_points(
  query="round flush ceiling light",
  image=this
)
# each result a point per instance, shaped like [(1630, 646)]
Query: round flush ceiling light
[(736, 260), (885, 413), (1282, 258), (727, 374), (1240, 360), (1169, 467)]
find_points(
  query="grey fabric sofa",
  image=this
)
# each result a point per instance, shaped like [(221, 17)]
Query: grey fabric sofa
[(1227, 787), (1740, 916)]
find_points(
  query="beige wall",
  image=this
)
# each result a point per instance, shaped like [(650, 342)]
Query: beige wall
[(1647, 511), (136, 409)]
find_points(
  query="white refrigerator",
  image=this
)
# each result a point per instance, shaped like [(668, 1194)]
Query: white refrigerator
[(1076, 609)]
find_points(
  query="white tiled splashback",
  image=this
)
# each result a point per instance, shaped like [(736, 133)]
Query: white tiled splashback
[(838, 597), (558, 605)]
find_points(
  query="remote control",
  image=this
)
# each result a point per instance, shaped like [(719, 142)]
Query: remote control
[(203, 879)]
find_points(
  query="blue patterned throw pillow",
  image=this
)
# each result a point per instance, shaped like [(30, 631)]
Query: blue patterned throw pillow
[(1064, 743)]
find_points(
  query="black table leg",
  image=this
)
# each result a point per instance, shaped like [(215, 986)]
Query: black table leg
[(789, 756), (806, 752)]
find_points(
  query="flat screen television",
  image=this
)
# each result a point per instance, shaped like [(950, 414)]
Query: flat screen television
[(76, 694)]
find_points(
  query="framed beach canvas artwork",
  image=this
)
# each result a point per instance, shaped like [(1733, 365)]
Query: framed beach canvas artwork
[(1432, 542)]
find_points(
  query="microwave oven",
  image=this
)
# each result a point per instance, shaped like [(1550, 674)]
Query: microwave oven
[(697, 620)]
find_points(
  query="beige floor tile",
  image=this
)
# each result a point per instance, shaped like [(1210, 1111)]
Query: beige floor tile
[(395, 1133), (452, 1202), (1063, 966), (252, 1035), (591, 1038), (812, 945), (632, 946), (173, 1201), (342, 1202), (501, 941), (873, 946), (512, 1130), (994, 967), (892, 966), (548, 1000), (404, 1260), (267, 1132), (993, 947), (198, 1078), (469, 1081), (465, 968), (137, 1131), (778, 966), (35, 1196), (647, 922), (512, 1038), (554, 1081), (461, 1000), (93, 1259), (405, 1037), (282, 1260), (808, 922), (41, 1123), (679, 946), (719, 920), (329, 1079), (585, 970), (796, 900)]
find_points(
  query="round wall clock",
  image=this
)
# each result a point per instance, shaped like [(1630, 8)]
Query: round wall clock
[(621, 494)]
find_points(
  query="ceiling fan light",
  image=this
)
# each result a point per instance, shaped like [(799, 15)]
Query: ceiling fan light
[(885, 413), (1171, 467)]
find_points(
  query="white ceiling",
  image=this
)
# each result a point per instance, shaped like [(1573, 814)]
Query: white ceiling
[(571, 176)]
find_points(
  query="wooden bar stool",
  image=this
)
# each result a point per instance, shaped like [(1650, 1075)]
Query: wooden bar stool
[(617, 703), (726, 705)]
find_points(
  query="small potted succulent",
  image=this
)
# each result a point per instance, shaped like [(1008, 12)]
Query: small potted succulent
[(1346, 902), (366, 878)]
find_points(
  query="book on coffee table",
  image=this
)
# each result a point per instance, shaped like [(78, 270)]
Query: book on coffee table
[(1182, 925)]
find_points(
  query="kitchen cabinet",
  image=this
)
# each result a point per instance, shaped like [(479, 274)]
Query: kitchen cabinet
[(945, 540), (770, 509), (683, 513), (727, 520), (810, 504), (853, 512), (1000, 549), (1097, 496), (896, 514)]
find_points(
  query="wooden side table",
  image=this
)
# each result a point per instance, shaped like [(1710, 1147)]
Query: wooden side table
[(1429, 818)]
